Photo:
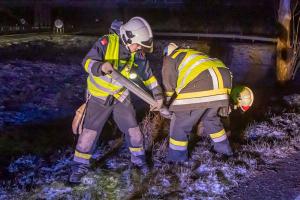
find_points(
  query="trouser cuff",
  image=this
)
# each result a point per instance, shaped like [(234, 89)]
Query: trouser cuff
[(174, 155), (82, 158)]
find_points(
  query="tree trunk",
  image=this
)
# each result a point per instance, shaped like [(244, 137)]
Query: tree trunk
[(284, 67)]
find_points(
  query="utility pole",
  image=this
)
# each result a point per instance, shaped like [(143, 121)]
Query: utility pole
[(284, 50)]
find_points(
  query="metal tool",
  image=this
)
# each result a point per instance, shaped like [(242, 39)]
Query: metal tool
[(140, 92)]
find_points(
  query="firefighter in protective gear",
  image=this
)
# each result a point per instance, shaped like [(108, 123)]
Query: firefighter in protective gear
[(121, 51), (196, 87)]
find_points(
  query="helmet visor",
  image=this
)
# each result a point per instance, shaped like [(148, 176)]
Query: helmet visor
[(147, 49), (148, 43)]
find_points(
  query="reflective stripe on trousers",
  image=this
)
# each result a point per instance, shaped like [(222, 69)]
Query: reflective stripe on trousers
[(96, 116), (82, 157), (178, 145), (182, 124), (218, 136), (139, 151)]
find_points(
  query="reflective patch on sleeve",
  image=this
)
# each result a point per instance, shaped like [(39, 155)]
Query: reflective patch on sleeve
[(169, 94), (151, 82), (89, 64), (103, 41)]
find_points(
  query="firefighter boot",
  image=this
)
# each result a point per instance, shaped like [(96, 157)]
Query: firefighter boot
[(78, 171), (140, 162), (144, 169), (223, 147)]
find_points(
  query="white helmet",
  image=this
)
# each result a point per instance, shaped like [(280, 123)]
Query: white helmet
[(137, 30)]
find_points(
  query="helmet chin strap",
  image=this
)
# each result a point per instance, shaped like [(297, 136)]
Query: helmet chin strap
[(127, 47), (125, 44), (245, 108)]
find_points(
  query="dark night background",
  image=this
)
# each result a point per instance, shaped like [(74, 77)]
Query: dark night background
[(43, 83), (211, 16)]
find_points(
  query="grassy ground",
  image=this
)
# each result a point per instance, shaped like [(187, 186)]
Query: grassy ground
[(264, 135)]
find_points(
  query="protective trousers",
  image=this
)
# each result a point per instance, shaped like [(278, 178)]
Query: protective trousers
[(96, 116), (182, 124)]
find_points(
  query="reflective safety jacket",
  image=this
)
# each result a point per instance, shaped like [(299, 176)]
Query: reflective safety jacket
[(109, 48), (193, 80)]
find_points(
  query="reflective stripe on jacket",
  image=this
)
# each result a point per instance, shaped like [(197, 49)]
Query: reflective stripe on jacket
[(196, 80), (103, 86), (110, 49)]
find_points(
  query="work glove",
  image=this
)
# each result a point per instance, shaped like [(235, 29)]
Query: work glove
[(165, 113), (107, 68), (200, 129), (157, 106), (224, 111)]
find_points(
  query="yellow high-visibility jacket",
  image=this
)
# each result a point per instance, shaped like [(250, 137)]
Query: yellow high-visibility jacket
[(194, 80), (108, 49)]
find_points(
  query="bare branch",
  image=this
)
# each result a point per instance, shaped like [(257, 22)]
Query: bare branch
[(297, 13), (297, 33), (295, 7), (295, 61), (293, 31)]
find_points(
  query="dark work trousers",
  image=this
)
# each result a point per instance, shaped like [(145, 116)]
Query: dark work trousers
[(182, 124), (96, 116)]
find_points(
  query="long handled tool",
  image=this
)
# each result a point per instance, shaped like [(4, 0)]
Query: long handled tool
[(135, 89)]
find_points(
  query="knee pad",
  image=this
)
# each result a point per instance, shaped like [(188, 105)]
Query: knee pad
[(135, 136), (86, 140)]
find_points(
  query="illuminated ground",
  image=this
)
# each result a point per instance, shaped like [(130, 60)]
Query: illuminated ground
[(42, 83)]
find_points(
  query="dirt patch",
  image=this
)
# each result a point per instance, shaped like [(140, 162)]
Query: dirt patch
[(280, 180)]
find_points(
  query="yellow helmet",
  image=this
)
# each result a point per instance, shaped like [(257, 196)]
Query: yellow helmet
[(242, 97)]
